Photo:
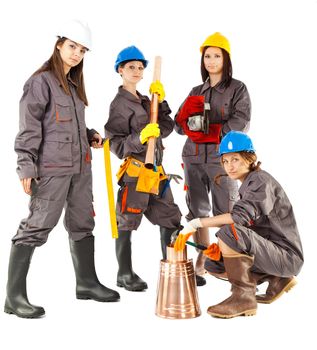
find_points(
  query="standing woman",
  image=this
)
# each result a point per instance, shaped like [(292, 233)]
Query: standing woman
[(259, 240), (128, 130), (54, 166), (229, 109)]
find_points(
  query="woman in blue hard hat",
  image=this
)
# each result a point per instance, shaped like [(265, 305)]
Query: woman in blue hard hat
[(54, 166), (204, 125), (258, 240), (128, 129)]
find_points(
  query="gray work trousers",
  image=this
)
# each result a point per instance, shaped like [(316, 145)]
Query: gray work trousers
[(49, 196), (200, 180), (269, 257), (158, 209)]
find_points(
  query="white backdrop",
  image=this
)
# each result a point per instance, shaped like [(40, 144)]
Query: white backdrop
[(274, 53)]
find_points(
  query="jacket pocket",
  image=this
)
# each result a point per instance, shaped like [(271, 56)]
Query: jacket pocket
[(64, 111), (58, 152), (225, 112)]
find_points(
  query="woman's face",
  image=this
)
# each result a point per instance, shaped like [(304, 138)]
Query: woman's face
[(132, 72), (71, 54), (213, 60), (236, 167)]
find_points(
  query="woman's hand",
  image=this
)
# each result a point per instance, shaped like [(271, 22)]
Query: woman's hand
[(150, 130), (96, 141), (157, 88), (190, 228), (26, 184)]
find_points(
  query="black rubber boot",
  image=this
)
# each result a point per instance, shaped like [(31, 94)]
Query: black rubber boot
[(166, 234), (126, 277), (17, 302), (200, 281), (87, 283)]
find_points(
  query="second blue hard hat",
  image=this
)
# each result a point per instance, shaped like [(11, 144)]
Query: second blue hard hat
[(130, 53), (236, 141)]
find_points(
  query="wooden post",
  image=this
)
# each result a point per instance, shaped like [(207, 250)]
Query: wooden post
[(149, 158)]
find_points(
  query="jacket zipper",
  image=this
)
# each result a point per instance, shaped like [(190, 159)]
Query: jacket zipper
[(79, 136), (206, 145)]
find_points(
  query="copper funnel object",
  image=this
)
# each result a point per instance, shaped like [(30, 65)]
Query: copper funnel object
[(177, 296)]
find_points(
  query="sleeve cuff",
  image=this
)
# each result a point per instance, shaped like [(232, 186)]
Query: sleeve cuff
[(27, 173)]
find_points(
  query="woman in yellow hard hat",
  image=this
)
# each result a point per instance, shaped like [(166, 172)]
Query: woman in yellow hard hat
[(220, 104)]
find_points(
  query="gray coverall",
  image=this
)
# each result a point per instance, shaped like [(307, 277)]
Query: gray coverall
[(53, 149), (264, 227), (128, 116), (230, 107)]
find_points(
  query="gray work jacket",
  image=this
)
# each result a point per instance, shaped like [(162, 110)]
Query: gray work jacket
[(128, 115), (52, 138), (229, 106), (265, 208)]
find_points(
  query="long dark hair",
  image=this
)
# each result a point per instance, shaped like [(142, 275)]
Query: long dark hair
[(55, 65), (226, 71)]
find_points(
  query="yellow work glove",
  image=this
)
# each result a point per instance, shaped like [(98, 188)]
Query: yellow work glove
[(157, 88), (151, 130), (190, 228)]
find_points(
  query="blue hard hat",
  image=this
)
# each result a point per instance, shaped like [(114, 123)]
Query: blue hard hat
[(236, 141), (130, 53)]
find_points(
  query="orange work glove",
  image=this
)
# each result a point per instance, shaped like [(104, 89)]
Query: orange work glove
[(213, 252), (181, 241)]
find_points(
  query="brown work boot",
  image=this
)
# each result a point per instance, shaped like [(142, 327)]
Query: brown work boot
[(277, 286), (242, 301)]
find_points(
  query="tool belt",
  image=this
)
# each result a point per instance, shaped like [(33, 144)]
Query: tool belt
[(148, 179)]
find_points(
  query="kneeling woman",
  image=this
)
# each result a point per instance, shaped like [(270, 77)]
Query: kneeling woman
[(259, 241)]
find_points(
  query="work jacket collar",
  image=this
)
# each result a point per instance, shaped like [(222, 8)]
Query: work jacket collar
[(219, 87), (249, 178), (126, 94), (71, 80)]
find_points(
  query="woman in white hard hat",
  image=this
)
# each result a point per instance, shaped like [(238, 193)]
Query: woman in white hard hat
[(128, 130), (258, 240), (212, 109), (54, 166)]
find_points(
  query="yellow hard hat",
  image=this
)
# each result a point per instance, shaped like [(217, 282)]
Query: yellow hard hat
[(217, 40)]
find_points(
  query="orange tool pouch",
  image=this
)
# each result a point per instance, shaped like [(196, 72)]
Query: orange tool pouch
[(148, 179)]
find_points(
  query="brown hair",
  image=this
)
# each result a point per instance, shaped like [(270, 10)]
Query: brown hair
[(226, 71), (249, 157), (55, 65)]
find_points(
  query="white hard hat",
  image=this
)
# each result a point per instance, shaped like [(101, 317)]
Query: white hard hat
[(77, 31)]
